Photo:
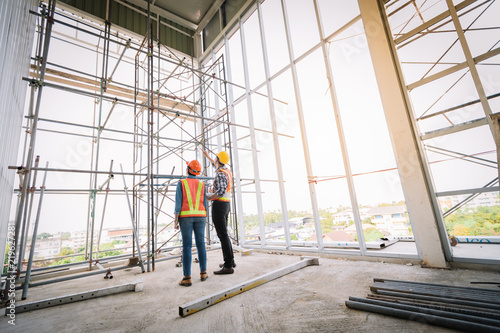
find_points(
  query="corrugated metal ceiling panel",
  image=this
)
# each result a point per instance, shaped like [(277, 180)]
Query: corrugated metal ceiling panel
[(134, 18)]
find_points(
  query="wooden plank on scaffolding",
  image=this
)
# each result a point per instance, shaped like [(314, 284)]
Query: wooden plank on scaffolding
[(202, 303), (83, 296), (111, 89)]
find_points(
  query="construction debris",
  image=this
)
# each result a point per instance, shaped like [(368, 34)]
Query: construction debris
[(243, 251), (25, 307), (460, 308)]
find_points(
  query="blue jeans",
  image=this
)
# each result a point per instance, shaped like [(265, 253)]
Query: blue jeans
[(188, 225)]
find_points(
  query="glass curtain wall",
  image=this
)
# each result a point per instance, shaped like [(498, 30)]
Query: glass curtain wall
[(338, 168), (453, 87)]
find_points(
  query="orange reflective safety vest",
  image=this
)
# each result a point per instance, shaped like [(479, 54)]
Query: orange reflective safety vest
[(229, 176), (193, 197)]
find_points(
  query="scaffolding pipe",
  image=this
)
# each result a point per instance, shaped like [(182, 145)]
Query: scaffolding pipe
[(150, 207), (29, 159), (426, 318), (104, 209), (103, 89), (27, 217), (119, 59), (33, 239), (135, 236)]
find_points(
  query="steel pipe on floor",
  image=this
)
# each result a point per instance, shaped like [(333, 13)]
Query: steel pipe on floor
[(460, 325), (427, 311)]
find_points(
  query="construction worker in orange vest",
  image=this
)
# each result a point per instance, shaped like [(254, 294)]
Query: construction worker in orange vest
[(190, 215), (221, 196)]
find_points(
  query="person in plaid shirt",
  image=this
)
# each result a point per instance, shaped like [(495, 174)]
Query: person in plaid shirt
[(221, 197)]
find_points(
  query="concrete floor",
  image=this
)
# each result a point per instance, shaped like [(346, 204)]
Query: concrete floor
[(308, 300)]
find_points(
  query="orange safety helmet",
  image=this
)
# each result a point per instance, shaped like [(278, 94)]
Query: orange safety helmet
[(194, 166)]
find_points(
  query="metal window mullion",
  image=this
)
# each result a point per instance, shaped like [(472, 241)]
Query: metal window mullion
[(471, 64), (305, 144), (252, 137), (274, 127), (340, 131), (234, 144)]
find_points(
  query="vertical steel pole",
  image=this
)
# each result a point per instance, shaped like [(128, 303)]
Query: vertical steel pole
[(104, 210), (136, 238), (29, 159), (105, 55), (216, 104), (33, 239), (340, 132), (157, 213), (150, 142), (252, 136), (27, 217), (305, 144), (135, 148), (274, 128)]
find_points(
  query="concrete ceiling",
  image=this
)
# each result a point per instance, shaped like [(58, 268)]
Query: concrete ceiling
[(190, 10), (193, 14)]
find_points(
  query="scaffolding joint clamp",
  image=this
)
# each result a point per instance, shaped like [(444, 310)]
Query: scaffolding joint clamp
[(22, 170)]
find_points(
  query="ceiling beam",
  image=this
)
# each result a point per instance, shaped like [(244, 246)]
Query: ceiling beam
[(166, 14), (209, 14)]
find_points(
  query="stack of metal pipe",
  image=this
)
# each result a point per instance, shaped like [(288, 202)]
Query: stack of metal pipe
[(461, 308)]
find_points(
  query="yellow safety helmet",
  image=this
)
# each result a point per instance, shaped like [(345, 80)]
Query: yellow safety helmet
[(223, 157)]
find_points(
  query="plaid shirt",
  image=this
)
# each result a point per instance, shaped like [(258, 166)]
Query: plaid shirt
[(220, 183)]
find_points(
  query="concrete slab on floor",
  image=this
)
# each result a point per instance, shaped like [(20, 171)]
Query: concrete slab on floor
[(308, 300)]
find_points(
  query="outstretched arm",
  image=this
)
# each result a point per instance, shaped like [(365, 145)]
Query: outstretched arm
[(207, 156)]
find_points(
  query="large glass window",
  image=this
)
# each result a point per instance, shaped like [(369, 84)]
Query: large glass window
[(303, 26), (452, 117)]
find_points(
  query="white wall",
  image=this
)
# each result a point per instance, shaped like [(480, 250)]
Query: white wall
[(17, 28)]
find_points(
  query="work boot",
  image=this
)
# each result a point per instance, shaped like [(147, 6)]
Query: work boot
[(203, 276), (225, 270), (186, 281), (222, 265)]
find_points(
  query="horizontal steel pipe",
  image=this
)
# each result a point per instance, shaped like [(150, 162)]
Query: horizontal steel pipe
[(425, 310), (436, 285), (460, 325), (439, 299), (470, 310)]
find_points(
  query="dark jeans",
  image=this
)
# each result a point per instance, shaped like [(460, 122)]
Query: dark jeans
[(188, 225), (220, 213)]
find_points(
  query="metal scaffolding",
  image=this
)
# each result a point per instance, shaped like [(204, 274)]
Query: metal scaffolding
[(176, 107)]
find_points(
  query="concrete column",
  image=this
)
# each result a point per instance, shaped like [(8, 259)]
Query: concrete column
[(404, 141)]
